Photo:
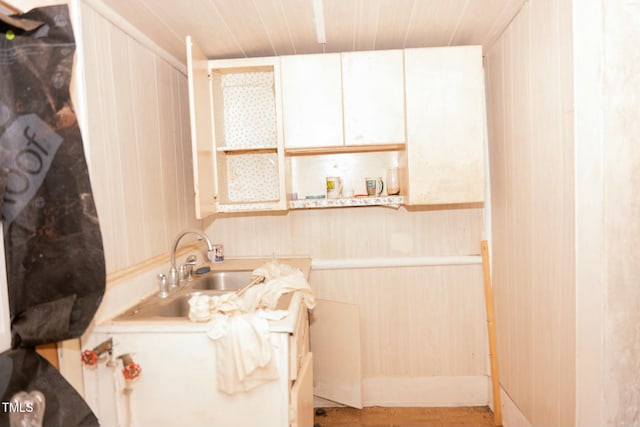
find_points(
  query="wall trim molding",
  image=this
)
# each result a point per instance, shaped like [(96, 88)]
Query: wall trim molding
[(426, 391), (348, 263)]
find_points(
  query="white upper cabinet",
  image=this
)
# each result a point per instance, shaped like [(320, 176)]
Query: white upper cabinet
[(373, 97), (312, 100), (445, 125), (424, 106), (236, 133)]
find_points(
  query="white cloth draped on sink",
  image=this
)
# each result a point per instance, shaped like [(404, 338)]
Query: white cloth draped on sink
[(240, 329), (279, 279)]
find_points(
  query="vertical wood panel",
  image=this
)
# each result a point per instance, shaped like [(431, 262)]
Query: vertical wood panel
[(168, 166), (521, 194), (138, 135), (102, 185), (126, 145), (621, 160), (532, 210), (145, 97), (415, 322)]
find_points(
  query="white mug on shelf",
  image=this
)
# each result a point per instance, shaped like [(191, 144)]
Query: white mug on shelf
[(334, 187), (375, 186)]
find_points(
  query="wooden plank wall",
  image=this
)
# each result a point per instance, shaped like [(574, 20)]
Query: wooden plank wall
[(419, 325), (530, 109), (620, 157), (139, 143)]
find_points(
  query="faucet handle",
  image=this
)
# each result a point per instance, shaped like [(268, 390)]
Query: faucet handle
[(186, 269), (163, 290)]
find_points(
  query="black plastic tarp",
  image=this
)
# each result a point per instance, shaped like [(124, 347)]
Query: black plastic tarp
[(24, 369), (53, 246)]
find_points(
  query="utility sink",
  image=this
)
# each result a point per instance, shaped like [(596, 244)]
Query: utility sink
[(175, 307), (177, 304), (221, 281)]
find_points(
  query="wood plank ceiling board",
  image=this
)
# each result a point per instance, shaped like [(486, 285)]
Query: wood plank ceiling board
[(211, 31), (195, 18), (434, 23), (472, 24), (478, 23), (340, 28), (367, 15), (250, 28), (166, 20), (508, 9), (144, 17), (301, 25), (393, 20), (246, 25), (275, 24)]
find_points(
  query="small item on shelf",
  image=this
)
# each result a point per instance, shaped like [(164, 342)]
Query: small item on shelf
[(393, 184), (315, 196), (219, 251), (334, 187), (375, 186)]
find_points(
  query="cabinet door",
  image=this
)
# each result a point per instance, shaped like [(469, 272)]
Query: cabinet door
[(373, 95), (445, 125), (335, 343), (202, 144), (311, 100), (247, 123)]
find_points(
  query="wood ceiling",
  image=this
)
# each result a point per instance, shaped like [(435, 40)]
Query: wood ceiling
[(254, 28)]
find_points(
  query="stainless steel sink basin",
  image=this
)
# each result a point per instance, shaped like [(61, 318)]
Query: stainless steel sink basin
[(175, 307), (177, 304), (222, 281), (154, 307)]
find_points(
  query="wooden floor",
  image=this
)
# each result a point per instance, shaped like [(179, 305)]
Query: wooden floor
[(479, 416)]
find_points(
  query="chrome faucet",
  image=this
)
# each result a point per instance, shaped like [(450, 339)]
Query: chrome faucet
[(185, 272), (174, 279)]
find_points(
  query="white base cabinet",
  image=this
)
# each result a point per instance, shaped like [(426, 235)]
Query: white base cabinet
[(178, 385)]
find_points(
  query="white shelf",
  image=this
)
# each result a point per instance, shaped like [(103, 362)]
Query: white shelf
[(248, 150), (390, 201)]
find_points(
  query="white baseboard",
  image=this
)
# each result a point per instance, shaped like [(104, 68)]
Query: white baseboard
[(434, 392), (511, 414), (426, 391)]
